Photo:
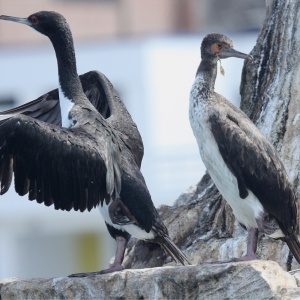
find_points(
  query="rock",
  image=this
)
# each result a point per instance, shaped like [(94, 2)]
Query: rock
[(202, 224), (243, 280)]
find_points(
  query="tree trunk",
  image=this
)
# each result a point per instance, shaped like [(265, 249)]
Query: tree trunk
[(201, 222), (270, 86)]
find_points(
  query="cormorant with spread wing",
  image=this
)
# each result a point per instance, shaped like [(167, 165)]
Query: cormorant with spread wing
[(76, 155)]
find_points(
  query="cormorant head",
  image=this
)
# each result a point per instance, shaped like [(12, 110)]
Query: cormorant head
[(46, 22), (219, 46)]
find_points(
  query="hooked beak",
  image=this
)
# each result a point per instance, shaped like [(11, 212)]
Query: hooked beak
[(15, 19), (230, 52)]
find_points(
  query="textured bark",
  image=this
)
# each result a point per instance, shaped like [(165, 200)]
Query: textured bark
[(201, 222), (270, 86)]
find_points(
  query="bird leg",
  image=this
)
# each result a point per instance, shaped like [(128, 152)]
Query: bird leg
[(120, 214), (115, 266), (251, 248), (251, 245), (264, 227)]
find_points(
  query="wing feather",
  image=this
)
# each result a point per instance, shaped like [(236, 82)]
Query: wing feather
[(70, 186), (63, 171), (21, 179), (106, 100), (256, 165), (7, 172)]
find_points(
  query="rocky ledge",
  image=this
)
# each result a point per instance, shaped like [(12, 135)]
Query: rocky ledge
[(242, 280)]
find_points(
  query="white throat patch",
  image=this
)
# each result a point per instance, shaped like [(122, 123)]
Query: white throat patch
[(65, 106)]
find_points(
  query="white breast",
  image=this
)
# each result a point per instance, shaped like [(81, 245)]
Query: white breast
[(132, 229), (65, 106), (245, 210)]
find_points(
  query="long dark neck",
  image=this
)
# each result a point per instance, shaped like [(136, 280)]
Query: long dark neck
[(66, 61), (208, 71)]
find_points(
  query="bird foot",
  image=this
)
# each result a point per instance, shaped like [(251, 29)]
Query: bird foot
[(111, 269)]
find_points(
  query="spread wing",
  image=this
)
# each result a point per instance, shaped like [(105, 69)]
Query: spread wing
[(45, 108), (55, 165), (255, 164), (103, 96)]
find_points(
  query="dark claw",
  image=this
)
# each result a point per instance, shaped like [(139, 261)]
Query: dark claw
[(113, 268), (80, 275)]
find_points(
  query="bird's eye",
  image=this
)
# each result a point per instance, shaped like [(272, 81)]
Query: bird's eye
[(216, 48), (34, 20)]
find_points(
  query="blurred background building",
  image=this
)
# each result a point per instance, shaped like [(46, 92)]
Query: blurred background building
[(149, 49)]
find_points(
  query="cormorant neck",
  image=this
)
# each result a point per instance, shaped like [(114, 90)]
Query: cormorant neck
[(66, 61), (208, 71)]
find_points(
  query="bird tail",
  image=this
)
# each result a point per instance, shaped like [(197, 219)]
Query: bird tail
[(294, 245), (174, 251)]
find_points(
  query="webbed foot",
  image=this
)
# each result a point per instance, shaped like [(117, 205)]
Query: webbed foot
[(115, 266), (111, 269)]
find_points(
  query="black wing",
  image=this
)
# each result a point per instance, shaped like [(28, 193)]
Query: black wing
[(103, 96), (45, 108), (65, 168), (54, 165), (256, 165)]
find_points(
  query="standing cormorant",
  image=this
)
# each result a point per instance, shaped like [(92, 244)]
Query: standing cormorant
[(241, 162), (86, 162)]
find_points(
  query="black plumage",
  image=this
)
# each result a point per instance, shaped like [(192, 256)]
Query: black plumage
[(264, 176), (93, 160)]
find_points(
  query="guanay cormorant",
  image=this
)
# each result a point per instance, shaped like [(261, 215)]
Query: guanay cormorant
[(88, 161), (241, 162)]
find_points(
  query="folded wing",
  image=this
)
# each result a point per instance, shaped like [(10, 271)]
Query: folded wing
[(256, 165)]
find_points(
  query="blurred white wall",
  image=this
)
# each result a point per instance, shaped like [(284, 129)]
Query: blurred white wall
[(153, 77)]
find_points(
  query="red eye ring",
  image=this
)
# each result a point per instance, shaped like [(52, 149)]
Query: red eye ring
[(34, 20)]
